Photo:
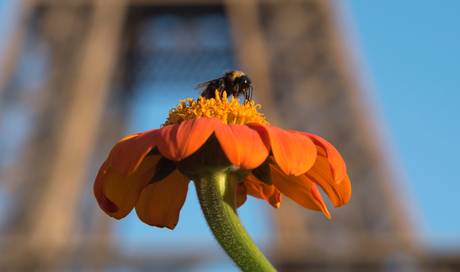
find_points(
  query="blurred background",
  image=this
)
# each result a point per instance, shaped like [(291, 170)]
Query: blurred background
[(379, 79)]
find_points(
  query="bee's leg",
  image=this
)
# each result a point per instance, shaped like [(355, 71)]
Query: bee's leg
[(209, 91), (236, 90), (219, 88), (248, 94)]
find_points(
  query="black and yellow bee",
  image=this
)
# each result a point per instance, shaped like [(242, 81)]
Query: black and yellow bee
[(235, 83)]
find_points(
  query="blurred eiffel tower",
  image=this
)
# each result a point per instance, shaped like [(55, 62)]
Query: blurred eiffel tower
[(88, 58)]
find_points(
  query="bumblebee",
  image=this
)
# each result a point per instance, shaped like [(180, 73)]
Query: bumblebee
[(235, 83)]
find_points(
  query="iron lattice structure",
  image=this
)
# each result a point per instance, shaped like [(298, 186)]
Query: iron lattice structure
[(100, 53)]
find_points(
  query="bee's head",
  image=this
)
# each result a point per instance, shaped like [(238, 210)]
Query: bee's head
[(243, 81)]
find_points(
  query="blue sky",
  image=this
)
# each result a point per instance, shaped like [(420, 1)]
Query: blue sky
[(410, 50), (7, 11)]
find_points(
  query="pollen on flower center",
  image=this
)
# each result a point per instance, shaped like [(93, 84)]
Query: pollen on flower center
[(228, 111)]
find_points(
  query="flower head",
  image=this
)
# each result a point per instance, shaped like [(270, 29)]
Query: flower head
[(150, 171)]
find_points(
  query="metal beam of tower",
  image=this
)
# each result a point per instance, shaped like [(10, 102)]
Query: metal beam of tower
[(77, 138), (15, 43), (251, 50), (315, 91)]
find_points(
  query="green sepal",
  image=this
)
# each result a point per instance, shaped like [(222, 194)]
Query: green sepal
[(163, 169), (263, 172), (208, 158), (154, 151)]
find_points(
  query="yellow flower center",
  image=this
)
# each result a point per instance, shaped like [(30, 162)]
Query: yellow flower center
[(228, 111)]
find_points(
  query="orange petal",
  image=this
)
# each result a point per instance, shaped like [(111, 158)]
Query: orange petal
[(242, 145), (300, 189), (241, 194), (106, 205), (294, 153), (261, 190), (177, 142), (321, 174), (123, 191), (344, 188), (160, 202), (339, 169), (129, 152)]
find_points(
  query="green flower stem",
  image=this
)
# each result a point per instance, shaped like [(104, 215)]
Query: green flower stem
[(217, 196)]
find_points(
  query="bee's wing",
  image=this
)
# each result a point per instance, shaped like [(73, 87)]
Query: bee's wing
[(203, 85)]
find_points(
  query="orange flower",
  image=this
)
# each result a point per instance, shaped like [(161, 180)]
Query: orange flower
[(150, 171)]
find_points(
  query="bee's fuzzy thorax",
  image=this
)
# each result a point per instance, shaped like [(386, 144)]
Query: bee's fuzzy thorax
[(235, 74)]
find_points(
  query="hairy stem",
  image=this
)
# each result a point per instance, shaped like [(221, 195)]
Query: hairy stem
[(217, 196)]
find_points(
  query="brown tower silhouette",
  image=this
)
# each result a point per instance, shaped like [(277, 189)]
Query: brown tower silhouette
[(98, 51)]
